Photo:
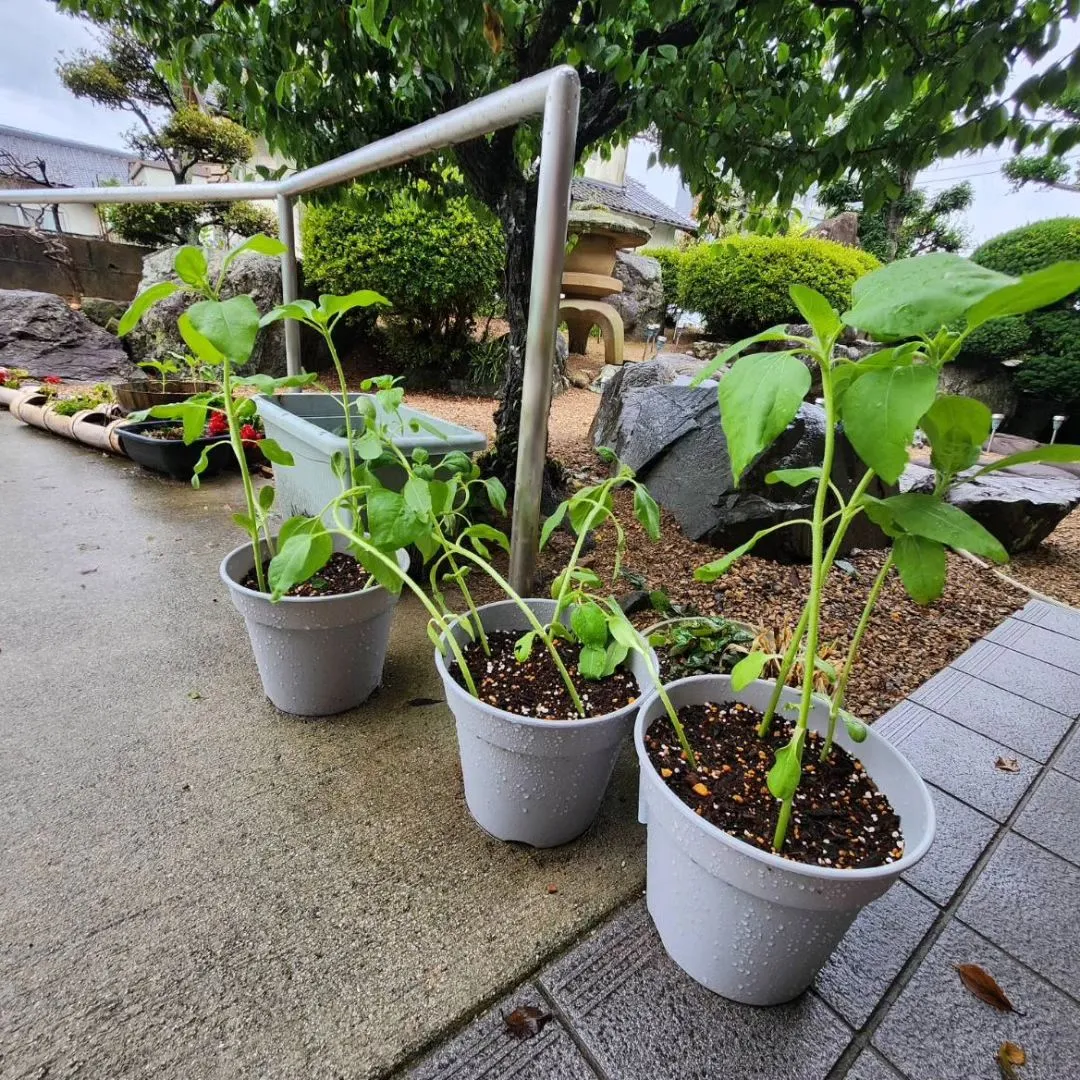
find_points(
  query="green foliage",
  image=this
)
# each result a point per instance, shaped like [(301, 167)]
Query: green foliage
[(1050, 169), (162, 224), (191, 133), (700, 645), (1031, 247), (741, 285), (1054, 377), (100, 394), (998, 340), (439, 265), (913, 223), (670, 260)]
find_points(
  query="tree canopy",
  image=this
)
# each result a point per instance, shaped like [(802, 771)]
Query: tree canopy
[(764, 97), (1051, 170)]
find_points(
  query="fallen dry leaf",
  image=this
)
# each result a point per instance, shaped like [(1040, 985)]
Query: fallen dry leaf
[(526, 1021), (1007, 764), (553, 889), (984, 986), (1009, 1058)]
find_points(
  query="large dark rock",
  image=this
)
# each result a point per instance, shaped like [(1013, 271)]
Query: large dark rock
[(39, 332), (672, 437), (842, 229), (1021, 511), (642, 300), (257, 275), (615, 383)]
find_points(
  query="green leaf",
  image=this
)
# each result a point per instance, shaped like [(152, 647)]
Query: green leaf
[(417, 495), (266, 497), (957, 427), (920, 295), (931, 517), (390, 578), (369, 446), (784, 776), (668, 52), (616, 653), (488, 532), (300, 310), (856, 729), (794, 477), (266, 384), (759, 397), (204, 461), (590, 625), (273, 451), (1053, 452), (622, 630), (748, 669), (142, 303), (774, 333), (647, 511), (391, 523), (1032, 291), (496, 493), (306, 550), (523, 647), (817, 311), (552, 523), (260, 244), (592, 661), (190, 265), (338, 305), (881, 410), (605, 454), (229, 325), (922, 566)]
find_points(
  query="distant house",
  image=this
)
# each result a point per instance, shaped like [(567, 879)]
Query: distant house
[(74, 164), (606, 182)]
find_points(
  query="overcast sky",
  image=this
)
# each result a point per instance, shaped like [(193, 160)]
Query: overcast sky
[(31, 97)]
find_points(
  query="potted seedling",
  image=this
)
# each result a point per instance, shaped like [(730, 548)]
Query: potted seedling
[(318, 620), (774, 815)]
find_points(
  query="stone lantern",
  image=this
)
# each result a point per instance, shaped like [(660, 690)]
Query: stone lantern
[(596, 233)]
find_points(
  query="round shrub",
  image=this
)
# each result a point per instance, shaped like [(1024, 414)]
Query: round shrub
[(437, 266), (1031, 247), (1053, 377), (740, 285), (997, 340)]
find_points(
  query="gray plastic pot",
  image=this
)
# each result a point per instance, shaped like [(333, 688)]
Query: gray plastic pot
[(748, 924), (316, 655), (539, 782)]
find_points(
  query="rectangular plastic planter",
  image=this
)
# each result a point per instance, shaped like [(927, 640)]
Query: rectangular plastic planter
[(305, 425)]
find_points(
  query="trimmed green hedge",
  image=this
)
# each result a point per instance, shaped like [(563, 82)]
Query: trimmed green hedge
[(740, 285), (439, 266), (995, 341), (670, 260), (1053, 377), (1031, 247)]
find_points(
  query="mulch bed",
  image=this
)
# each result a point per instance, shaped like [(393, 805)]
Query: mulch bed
[(839, 818), (535, 688), (342, 574), (1053, 567)]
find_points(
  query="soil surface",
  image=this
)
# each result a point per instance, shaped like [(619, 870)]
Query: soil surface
[(342, 574), (165, 434), (1053, 567), (839, 819), (535, 688)]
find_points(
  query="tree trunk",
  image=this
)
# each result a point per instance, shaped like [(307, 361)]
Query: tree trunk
[(894, 215)]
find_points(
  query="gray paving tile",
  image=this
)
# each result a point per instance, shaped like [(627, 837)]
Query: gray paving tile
[(870, 1065), (962, 836), (641, 1017), (1062, 620), (956, 759), (1024, 725), (1023, 675), (485, 1049), (1057, 649), (938, 1030), (873, 951), (1022, 901), (1068, 761), (1052, 816)]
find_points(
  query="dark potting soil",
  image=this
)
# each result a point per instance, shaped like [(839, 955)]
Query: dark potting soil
[(342, 574), (535, 688), (839, 819), (168, 434)]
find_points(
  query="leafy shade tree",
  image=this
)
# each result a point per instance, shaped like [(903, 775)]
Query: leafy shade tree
[(763, 97), (912, 224), (174, 129), (1050, 170)]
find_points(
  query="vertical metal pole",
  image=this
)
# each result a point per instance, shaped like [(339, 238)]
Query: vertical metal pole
[(549, 249), (290, 285)]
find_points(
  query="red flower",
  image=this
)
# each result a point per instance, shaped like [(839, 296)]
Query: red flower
[(249, 434), (3, 376), (217, 424), (52, 380)]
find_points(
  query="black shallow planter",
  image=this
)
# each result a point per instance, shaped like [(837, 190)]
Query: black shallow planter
[(171, 456)]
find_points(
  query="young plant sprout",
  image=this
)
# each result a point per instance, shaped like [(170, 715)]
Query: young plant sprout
[(925, 308), (163, 368)]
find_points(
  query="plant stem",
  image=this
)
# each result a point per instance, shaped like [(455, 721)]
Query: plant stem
[(849, 663), (669, 708), (534, 622), (785, 670), (586, 528), (328, 337), (817, 583)]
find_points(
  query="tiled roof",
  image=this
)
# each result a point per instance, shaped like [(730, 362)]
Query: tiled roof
[(630, 198), (69, 164)]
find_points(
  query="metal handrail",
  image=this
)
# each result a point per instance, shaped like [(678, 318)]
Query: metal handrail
[(555, 94)]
